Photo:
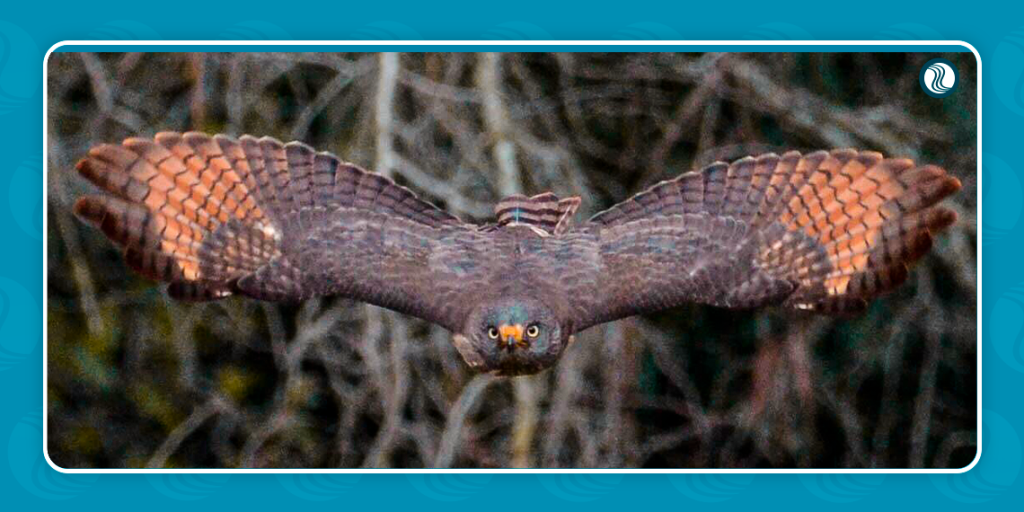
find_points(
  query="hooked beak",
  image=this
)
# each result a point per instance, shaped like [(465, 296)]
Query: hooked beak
[(511, 335)]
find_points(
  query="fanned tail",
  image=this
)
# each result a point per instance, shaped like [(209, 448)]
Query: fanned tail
[(543, 211)]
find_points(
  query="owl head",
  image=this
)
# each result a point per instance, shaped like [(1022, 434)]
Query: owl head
[(512, 336)]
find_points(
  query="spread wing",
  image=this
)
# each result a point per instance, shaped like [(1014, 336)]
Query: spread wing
[(825, 231), (215, 216)]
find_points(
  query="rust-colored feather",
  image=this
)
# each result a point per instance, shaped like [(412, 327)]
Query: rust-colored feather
[(873, 217), (211, 215), (182, 207), (824, 231)]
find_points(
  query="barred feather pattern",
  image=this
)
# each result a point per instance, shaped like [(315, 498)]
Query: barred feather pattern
[(209, 214), (215, 216), (825, 231), (546, 212)]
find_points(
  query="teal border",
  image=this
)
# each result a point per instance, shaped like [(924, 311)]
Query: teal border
[(27, 30)]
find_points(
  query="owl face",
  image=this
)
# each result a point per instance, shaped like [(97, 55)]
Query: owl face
[(511, 336)]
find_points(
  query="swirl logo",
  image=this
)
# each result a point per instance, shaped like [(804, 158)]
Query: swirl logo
[(32, 472), (996, 472), (188, 487), (938, 78), (449, 487), (318, 487), (711, 488), (580, 488), (19, 323), (842, 488)]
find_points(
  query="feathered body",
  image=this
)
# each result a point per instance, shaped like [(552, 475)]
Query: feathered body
[(216, 216)]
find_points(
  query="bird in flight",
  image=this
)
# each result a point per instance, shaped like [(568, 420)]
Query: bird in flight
[(216, 216)]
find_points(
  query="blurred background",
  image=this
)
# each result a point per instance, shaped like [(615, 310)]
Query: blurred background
[(136, 380)]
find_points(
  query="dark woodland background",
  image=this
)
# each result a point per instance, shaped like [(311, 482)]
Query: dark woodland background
[(136, 380)]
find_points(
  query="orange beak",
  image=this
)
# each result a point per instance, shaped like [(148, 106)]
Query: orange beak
[(511, 334)]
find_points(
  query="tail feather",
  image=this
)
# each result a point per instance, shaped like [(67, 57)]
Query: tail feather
[(544, 211)]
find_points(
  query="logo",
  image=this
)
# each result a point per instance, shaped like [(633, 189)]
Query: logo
[(939, 78)]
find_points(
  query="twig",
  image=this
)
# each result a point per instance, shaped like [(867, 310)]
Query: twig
[(324, 97), (457, 419), (181, 432), (921, 423), (387, 81), (496, 119)]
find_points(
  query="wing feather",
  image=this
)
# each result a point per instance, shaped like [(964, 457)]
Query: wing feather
[(825, 231), (215, 216)]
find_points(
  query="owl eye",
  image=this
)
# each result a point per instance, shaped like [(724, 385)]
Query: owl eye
[(492, 332), (532, 331)]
